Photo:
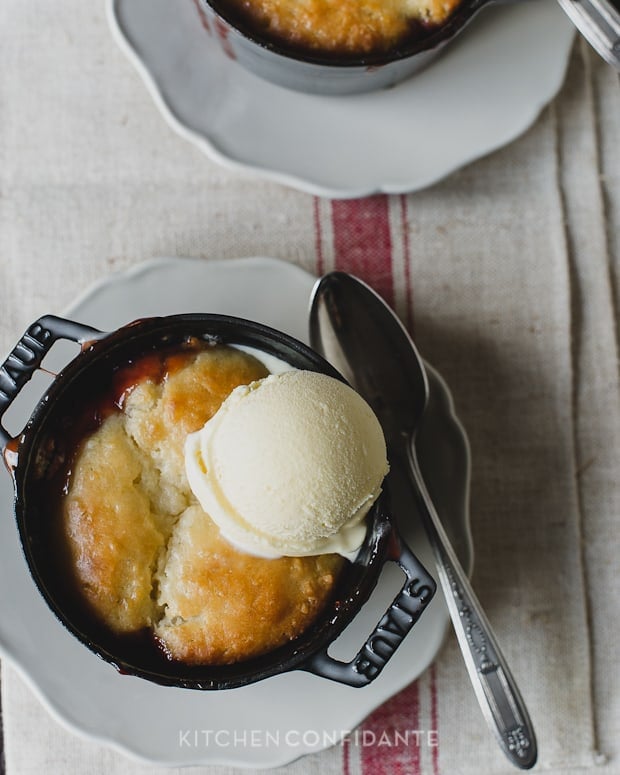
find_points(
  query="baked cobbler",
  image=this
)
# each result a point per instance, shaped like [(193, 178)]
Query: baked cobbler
[(145, 556), (342, 27)]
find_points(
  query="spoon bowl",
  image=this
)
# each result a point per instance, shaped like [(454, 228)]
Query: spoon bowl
[(396, 386)]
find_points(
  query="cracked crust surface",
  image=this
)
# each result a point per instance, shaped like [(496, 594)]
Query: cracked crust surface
[(146, 555), (222, 605), (114, 536), (342, 26)]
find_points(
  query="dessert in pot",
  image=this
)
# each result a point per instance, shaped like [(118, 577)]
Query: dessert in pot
[(341, 27), (212, 505), (120, 544)]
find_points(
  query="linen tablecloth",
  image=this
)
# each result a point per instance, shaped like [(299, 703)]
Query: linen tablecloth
[(508, 274)]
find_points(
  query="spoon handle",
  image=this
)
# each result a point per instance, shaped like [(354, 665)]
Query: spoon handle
[(495, 688)]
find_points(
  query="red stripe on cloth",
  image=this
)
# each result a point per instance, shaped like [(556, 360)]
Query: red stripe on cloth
[(434, 718), (404, 226), (389, 736), (363, 246), (318, 239), (362, 241)]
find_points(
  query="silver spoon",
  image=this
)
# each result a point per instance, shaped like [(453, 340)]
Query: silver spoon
[(354, 329)]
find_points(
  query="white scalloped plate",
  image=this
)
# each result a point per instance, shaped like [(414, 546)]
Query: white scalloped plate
[(147, 721), (484, 91)]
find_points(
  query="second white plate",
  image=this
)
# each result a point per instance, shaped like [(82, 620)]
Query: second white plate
[(485, 90), (168, 725)]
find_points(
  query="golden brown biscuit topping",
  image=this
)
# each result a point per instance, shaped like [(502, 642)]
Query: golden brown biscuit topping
[(342, 26), (145, 555)]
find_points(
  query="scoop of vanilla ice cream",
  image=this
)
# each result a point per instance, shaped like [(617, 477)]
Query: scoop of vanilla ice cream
[(289, 465)]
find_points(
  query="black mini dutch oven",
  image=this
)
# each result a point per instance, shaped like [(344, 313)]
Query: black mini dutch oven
[(325, 72), (35, 457)]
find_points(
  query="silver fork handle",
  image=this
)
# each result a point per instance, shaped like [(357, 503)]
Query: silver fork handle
[(495, 688)]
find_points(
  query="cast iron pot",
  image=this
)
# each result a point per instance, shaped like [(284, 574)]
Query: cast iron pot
[(326, 73), (36, 455)]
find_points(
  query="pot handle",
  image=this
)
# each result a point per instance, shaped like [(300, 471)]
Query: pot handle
[(405, 610), (28, 353)]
